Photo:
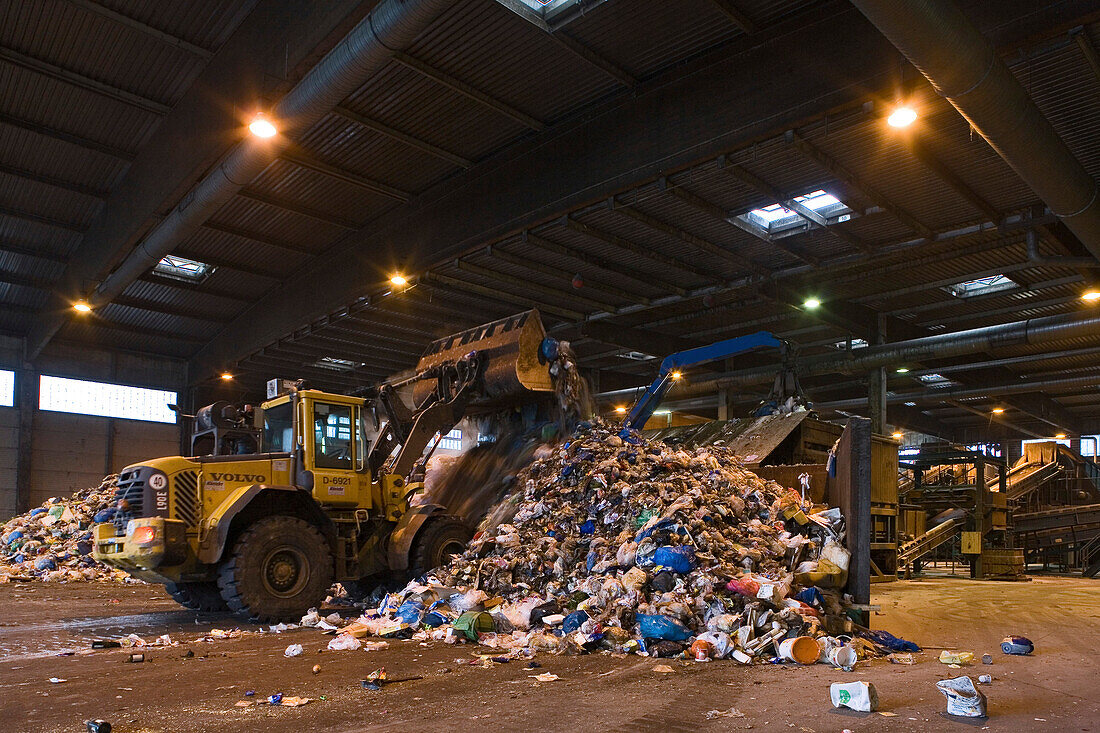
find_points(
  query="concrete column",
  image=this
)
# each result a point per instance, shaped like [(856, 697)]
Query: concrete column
[(876, 384), (27, 402), (876, 399)]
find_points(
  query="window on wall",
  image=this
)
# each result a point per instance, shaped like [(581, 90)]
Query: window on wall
[(452, 440), (79, 396), (7, 388)]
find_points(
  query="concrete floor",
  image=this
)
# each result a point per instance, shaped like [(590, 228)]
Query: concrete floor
[(1055, 689)]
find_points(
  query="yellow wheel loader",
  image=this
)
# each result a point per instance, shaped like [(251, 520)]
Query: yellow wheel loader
[(327, 497)]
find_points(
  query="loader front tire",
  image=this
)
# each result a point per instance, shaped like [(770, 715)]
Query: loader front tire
[(278, 569), (441, 537), (197, 596)]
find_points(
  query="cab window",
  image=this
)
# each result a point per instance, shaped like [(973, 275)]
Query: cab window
[(332, 436), (279, 429)]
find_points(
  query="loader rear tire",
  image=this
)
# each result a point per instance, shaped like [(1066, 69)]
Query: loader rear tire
[(279, 568), (197, 596), (441, 537)]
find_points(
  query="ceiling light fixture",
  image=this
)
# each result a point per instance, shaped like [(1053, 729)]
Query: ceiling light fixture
[(620, 409), (81, 306), (998, 410), (1060, 436), (260, 126), (227, 376), (903, 370), (811, 303), (1091, 295), (676, 375), (399, 280), (898, 436), (902, 117)]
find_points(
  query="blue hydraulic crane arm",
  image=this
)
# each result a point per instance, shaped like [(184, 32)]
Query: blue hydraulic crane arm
[(655, 393)]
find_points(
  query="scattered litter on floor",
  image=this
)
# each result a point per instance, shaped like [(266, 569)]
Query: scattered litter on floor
[(859, 696), (294, 650), (731, 713), (544, 677), (956, 658), (963, 698), (663, 669), (56, 680)]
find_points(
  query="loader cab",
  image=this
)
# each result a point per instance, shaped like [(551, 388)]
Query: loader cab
[(325, 433)]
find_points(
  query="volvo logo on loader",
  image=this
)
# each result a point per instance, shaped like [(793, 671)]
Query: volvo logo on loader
[(241, 477)]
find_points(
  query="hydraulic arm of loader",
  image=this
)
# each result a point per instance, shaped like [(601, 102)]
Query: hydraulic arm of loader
[(671, 366), (475, 371)]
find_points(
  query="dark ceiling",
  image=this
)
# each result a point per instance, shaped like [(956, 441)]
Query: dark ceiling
[(592, 171)]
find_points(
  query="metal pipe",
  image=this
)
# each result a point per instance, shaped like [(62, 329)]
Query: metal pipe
[(1031, 332), (962, 65), (391, 26), (948, 394)]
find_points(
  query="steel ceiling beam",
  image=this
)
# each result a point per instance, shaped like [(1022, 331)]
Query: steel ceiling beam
[(154, 307), (467, 90), (35, 252), (533, 287), (281, 202), (623, 243), (403, 137), (302, 159), (535, 266), (234, 231), (53, 181), (931, 161), (166, 38), (1081, 38), (41, 219), (736, 15), (743, 263), (581, 51), (445, 282), (614, 268), (86, 83)]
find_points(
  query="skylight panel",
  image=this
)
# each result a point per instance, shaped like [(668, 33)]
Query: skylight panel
[(548, 14), (856, 344), (182, 268), (982, 285), (340, 365), (934, 380), (801, 212)]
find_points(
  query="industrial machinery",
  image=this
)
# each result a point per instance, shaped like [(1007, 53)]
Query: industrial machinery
[(672, 365), (327, 498)]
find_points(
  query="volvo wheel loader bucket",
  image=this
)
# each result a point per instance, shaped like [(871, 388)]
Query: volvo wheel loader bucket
[(512, 348)]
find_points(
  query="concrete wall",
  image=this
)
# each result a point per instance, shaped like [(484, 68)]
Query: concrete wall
[(71, 452)]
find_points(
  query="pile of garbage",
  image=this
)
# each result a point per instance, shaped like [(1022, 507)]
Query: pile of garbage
[(53, 542), (635, 546)]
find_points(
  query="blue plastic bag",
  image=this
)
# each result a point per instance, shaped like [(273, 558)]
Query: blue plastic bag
[(891, 642), (653, 626), (573, 621), (411, 611), (677, 559)]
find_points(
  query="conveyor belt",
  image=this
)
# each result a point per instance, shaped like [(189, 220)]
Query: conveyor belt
[(925, 543)]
